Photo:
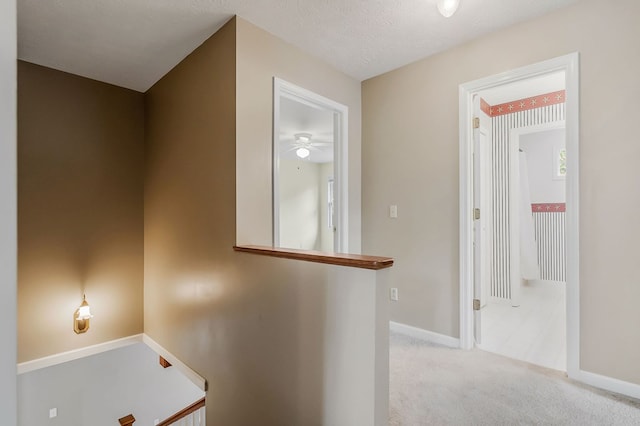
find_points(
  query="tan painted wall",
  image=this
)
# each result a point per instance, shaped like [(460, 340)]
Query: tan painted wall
[(80, 183), (190, 213), (411, 125), (300, 204), (8, 248), (261, 56), (279, 341)]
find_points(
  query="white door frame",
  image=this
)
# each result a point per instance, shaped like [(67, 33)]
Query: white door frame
[(570, 65), (282, 88)]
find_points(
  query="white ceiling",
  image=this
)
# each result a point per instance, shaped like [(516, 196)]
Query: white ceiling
[(296, 117), (132, 43)]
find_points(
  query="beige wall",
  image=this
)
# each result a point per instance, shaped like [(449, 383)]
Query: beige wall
[(8, 249), (189, 223), (80, 183), (300, 204), (303, 205), (261, 56), (411, 124), (279, 341)]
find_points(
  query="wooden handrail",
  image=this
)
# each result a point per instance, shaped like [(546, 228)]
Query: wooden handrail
[(183, 413), (342, 259), (127, 420)]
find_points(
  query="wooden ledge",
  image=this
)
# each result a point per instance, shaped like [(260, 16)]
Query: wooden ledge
[(351, 260)]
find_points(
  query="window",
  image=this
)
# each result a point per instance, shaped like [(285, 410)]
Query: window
[(330, 203), (559, 163)]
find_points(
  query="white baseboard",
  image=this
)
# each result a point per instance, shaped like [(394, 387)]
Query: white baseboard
[(608, 383), (197, 380), (49, 361), (426, 335)]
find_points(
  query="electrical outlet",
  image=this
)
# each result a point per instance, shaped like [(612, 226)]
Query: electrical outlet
[(393, 294), (53, 412), (393, 211)]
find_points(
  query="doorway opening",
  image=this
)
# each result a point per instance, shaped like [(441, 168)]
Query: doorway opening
[(519, 238), (525, 315), (310, 200)]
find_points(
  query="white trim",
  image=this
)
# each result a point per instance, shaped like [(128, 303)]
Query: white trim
[(282, 88), (51, 360), (465, 101), (570, 65), (197, 379), (608, 383), (426, 335)]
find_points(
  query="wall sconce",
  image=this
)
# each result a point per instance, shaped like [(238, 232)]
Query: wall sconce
[(81, 317)]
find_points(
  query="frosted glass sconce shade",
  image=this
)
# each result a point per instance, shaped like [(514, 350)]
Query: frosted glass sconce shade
[(81, 317)]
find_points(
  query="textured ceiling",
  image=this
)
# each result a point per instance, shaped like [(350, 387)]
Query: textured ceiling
[(132, 43)]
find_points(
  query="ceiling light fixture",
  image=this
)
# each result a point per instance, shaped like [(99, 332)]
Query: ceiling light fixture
[(302, 152), (303, 142), (448, 7)]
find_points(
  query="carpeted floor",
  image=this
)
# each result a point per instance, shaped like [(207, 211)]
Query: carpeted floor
[(434, 385)]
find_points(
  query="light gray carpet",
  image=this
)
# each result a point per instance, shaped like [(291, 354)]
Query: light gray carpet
[(434, 385)]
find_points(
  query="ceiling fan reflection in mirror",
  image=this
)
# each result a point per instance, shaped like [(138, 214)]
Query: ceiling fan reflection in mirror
[(303, 145)]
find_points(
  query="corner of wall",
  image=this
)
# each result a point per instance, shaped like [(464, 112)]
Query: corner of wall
[(8, 212)]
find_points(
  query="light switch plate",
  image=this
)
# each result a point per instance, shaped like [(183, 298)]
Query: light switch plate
[(393, 294), (53, 412), (393, 211)]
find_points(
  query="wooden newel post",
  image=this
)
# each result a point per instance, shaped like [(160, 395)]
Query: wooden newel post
[(127, 420)]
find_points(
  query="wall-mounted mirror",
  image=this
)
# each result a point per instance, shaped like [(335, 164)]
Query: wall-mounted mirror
[(309, 170)]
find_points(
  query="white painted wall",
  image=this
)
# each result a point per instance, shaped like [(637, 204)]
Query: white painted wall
[(8, 248), (300, 204), (303, 205), (100, 389), (539, 147)]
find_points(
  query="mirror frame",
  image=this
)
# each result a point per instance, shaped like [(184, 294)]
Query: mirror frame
[(282, 88)]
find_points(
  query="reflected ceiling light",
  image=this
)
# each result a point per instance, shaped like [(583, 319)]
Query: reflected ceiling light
[(448, 7), (302, 152), (303, 142), (81, 317)]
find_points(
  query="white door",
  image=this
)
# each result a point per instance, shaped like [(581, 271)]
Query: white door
[(482, 216)]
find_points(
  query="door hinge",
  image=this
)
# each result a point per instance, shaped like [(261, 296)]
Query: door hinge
[(476, 122), (476, 304), (476, 214)]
